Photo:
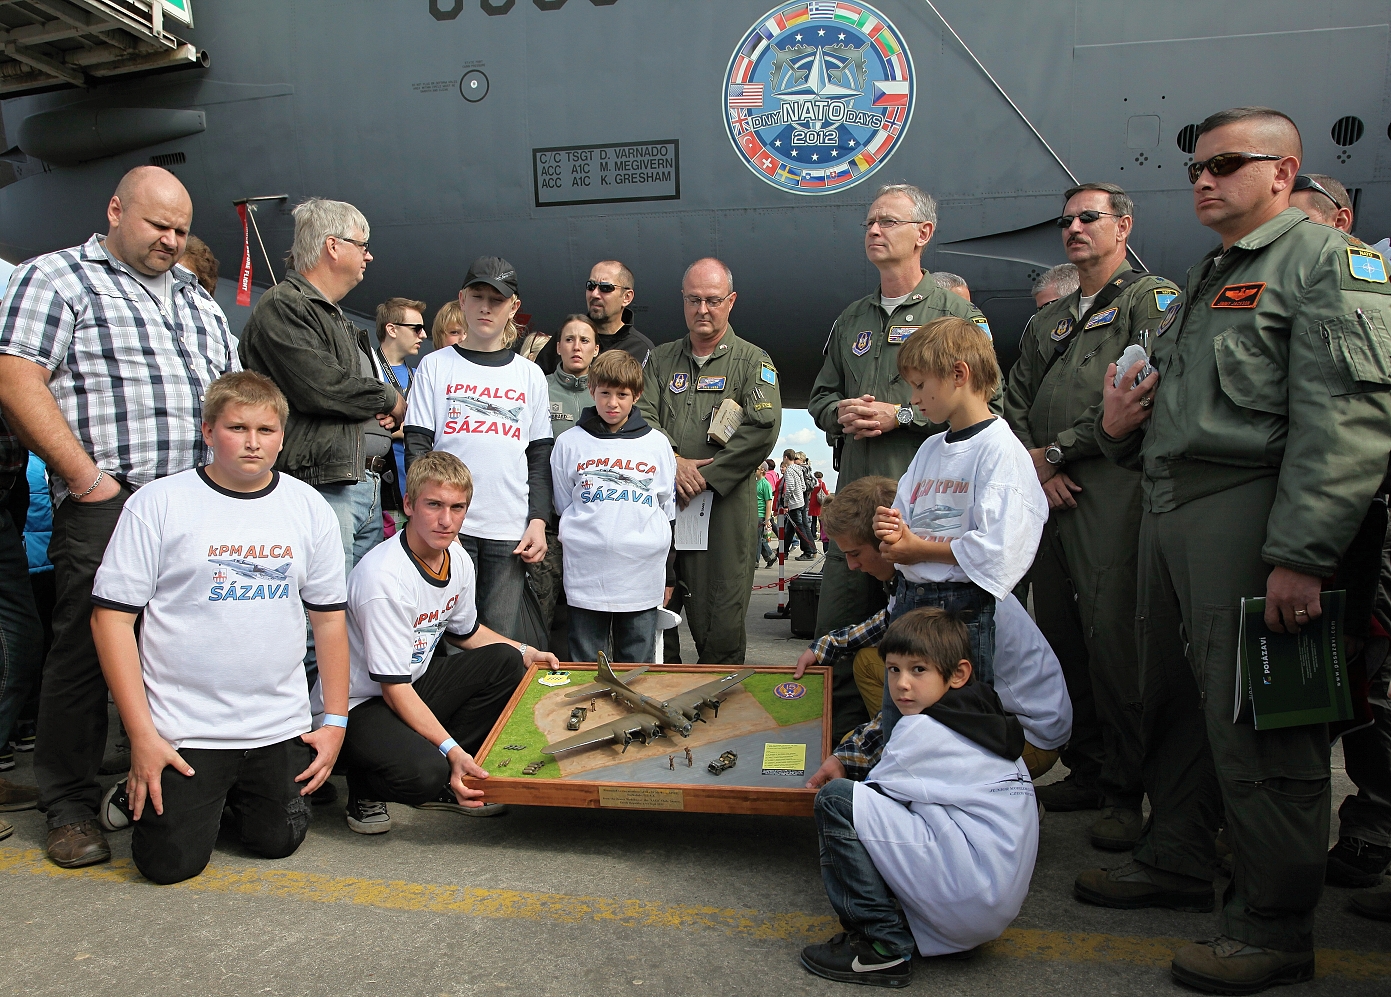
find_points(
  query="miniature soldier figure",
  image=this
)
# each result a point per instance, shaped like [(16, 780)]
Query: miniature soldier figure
[(671, 762), (690, 759)]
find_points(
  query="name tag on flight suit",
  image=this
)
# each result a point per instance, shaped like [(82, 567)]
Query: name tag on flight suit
[(1102, 318), (898, 333), (1239, 295), (710, 382)]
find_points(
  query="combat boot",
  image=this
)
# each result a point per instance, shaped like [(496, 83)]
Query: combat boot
[(1117, 829), (1229, 966), (1356, 863), (1136, 885), (1068, 795)]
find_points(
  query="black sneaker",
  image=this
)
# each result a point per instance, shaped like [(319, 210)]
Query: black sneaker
[(367, 816), (1355, 863), (446, 801), (1068, 795), (850, 958), (114, 814), (23, 739)]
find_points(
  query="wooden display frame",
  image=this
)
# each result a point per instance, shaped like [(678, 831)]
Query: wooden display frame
[(715, 798)]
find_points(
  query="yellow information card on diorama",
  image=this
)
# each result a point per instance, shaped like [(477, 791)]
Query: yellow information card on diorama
[(784, 759)]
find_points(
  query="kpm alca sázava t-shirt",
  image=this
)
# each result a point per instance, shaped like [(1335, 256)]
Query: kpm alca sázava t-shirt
[(485, 416), (224, 578), (397, 614)]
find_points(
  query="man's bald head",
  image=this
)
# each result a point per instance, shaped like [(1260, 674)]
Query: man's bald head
[(708, 269), (1275, 131), (149, 217)]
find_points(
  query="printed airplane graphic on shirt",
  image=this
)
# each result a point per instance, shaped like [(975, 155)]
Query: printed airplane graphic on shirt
[(428, 627), (479, 408), (246, 561), (929, 510), (612, 484), (482, 407)]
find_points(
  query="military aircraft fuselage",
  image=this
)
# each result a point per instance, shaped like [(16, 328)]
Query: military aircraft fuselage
[(557, 133)]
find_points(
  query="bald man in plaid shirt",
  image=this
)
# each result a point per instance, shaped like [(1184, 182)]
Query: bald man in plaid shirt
[(105, 352)]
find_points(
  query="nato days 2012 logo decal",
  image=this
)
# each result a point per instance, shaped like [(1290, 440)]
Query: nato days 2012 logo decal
[(818, 95)]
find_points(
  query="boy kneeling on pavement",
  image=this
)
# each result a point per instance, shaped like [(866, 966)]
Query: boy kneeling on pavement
[(222, 561), (414, 720), (941, 818)]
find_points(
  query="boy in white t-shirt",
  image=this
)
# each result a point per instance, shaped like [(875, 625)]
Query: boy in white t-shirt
[(222, 561), (415, 720), (614, 479), (969, 512), (491, 408), (929, 834)]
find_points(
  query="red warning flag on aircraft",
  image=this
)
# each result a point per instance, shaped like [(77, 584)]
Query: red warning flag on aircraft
[(244, 278)]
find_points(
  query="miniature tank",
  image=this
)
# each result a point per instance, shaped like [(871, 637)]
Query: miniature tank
[(725, 761), (577, 716)]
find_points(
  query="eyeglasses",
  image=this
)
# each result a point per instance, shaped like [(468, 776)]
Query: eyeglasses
[(885, 224), (603, 286), (1224, 164), (343, 238), (1085, 217), (417, 327), (1306, 182), (711, 303)]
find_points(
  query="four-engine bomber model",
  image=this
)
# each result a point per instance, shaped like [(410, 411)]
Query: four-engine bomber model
[(651, 718)]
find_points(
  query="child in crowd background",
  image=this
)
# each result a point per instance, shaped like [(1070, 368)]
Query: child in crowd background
[(615, 491)]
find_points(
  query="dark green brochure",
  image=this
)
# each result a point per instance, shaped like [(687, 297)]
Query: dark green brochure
[(1289, 680)]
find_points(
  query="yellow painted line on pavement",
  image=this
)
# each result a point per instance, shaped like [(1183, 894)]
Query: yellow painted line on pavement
[(1015, 943)]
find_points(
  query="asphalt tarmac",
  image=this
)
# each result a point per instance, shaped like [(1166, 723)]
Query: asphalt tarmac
[(567, 902)]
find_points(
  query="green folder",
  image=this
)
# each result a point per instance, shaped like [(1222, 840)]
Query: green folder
[(1290, 680)]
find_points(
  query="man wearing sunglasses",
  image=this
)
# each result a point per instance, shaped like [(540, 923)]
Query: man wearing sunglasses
[(862, 403), (1323, 199), (400, 331), (608, 293), (1083, 576), (1261, 439)]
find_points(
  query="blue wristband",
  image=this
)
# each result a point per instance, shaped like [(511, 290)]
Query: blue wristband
[(335, 720), (447, 745)]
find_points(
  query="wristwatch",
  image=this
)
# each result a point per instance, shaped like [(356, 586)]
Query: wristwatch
[(1053, 454), (904, 415)]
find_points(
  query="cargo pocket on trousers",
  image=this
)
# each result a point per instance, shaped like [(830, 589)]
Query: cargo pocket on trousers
[(1213, 655), (1290, 817), (1354, 353)]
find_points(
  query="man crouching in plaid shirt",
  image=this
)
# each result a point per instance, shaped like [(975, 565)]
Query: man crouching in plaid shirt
[(106, 350)]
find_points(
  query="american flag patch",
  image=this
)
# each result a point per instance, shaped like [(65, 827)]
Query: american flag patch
[(746, 95)]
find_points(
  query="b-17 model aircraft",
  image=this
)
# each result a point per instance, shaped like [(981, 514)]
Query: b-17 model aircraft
[(253, 570), (661, 716)]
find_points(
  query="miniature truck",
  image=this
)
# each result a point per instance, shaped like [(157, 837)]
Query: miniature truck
[(577, 716), (725, 761)]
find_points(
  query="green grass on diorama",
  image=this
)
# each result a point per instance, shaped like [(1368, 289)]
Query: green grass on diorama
[(521, 726)]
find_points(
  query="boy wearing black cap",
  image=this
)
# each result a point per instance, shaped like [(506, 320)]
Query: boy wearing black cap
[(490, 408)]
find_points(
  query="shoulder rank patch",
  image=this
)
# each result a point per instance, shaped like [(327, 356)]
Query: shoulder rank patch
[(1061, 330), (1366, 264), (710, 382), (984, 325), (679, 382), (768, 373), (1102, 318), (1170, 314), (900, 333), (1163, 298), (1239, 295), (861, 345)]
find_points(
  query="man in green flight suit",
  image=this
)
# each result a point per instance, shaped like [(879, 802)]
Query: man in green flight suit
[(1084, 573), (862, 404), (1261, 438), (687, 382)]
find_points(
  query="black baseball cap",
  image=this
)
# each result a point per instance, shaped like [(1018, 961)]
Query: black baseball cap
[(495, 272)]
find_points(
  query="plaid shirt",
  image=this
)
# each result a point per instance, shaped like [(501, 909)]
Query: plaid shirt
[(128, 378), (860, 751), (850, 639), (13, 457)]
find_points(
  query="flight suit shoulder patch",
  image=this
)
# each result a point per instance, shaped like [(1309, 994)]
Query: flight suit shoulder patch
[(679, 382), (1102, 318), (861, 345), (710, 382), (1239, 295), (1170, 314), (1163, 298), (980, 320), (1061, 330), (1365, 271), (768, 373)]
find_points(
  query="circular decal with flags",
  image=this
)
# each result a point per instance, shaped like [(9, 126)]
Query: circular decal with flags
[(818, 95)]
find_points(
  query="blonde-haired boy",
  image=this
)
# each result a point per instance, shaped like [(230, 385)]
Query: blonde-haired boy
[(415, 722)]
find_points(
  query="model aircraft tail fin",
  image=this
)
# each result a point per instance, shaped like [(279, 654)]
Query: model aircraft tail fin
[(606, 673)]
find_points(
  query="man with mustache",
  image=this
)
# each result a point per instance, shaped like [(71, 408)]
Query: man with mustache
[(1084, 573)]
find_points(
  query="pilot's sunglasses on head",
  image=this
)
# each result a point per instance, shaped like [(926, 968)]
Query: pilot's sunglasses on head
[(603, 286), (1224, 164), (1306, 182), (1085, 217)]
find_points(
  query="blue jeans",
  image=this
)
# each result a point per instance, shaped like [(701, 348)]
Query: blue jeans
[(634, 634), (358, 506), (857, 892), (797, 526), (21, 633), (954, 597), (501, 583), (764, 551)]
